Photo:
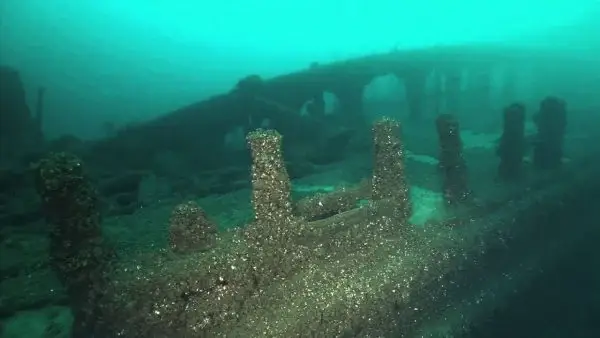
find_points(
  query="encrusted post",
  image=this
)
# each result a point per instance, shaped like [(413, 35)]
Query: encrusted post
[(551, 123), (271, 187), (511, 149), (389, 179), (451, 161), (271, 251), (77, 252)]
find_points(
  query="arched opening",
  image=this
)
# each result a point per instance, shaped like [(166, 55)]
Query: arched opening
[(385, 95)]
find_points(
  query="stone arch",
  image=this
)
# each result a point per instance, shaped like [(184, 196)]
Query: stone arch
[(385, 95)]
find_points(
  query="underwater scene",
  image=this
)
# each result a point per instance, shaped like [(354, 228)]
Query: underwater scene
[(183, 169)]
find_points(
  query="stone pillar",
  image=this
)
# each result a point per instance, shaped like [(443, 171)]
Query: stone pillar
[(551, 123), (511, 149), (271, 187), (272, 253), (389, 178), (451, 162), (77, 252)]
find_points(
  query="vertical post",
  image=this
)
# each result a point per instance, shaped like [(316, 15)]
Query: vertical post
[(271, 252), (451, 161), (511, 149), (551, 123), (389, 178), (77, 252), (271, 187)]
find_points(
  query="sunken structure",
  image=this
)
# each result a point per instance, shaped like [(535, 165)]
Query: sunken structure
[(350, 262), (362, 271)]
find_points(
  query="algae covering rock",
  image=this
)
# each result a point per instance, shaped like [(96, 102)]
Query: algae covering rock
[(190, 229), (77, 252)]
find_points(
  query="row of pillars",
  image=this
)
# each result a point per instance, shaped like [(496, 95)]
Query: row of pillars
[(71, 204), (272, 187), (271, 193), (448, 87), (551, 123)]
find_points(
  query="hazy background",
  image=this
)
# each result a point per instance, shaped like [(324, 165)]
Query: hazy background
[(127, 60)]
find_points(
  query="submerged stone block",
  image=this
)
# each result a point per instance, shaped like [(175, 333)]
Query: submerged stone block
[(190, 229)]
